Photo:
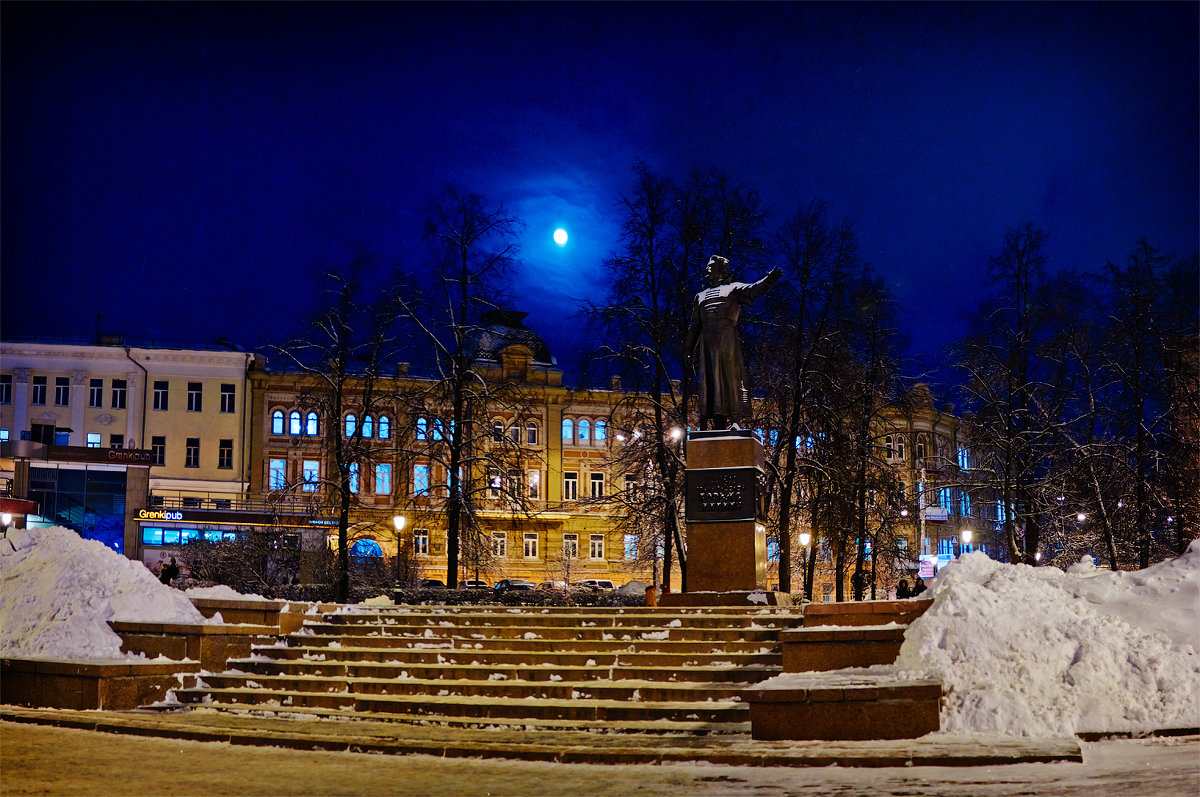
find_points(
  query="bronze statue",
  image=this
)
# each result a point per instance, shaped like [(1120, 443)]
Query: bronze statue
[(713, 346)]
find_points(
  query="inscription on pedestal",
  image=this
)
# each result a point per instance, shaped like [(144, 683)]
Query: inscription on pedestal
[(721, 495)]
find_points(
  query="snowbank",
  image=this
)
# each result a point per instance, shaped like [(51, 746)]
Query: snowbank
[(57, 591), (222, 592), (1039, 652)]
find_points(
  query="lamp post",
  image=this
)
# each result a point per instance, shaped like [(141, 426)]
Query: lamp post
[(805, 539), (967, 534), (399, 522)]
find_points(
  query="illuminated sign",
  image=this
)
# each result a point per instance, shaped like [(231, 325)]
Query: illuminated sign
[(937, 514), (158, 514)]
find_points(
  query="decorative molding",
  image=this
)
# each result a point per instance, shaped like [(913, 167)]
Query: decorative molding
[(21, 375), (79, 376), (104, 419)]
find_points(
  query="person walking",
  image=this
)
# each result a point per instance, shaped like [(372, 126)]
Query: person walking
[(170, 572)]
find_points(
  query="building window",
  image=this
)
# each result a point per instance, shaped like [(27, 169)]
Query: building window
[(383, 479), (351, 422), (116, 441), (277, 422), (93, 440), (311, 425), (158, 449), (192, 455), (499, 544), (535, 484), (964, 460), (3, 435), (6, 388), (420, 480), (225, 454), (421, 542), (195, 397), (312, 475), (900, 447), (585, 431), (294, 422), (277, 474), (887, 444), (570, 486), (368, 426), (964, 504), (95, 393), (600, 432), (531, 433), (497, 431), (596, 481), (531, 545), (385, 427), (631, 486), (62, 391), (570, 546), (39, 390), (228, 398), (596, 546), (422, 429), (630, 547), (354, 477), (920, 450), (493, 483), (118, 394), (514, 433), (568, 430), (944, 497), (161, 395)]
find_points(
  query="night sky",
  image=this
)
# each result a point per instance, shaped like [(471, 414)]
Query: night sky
[(186, 170)]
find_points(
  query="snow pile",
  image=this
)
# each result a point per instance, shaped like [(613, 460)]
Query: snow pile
[(1039, 652), (222, 592), (57, 591)]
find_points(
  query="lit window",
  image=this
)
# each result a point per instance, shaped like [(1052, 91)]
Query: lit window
[(964, 504), (162, 395), (354, 477), (195, 397), (368, 426), (596, 546), (584, 430), (383, 479), (600, 432), (570, 546), (535, 484), (570, 486), (294, 422), (944, 497), (596, 482), (530, 545), (422, 429), (499, 544), (62, 391), (964, 460), (93, 440), (421, 542), (312, 475), (351, 421), (773, 550), (385, 427), (493, 483), (276, 474), (310, 425), (277, 422), (228, 398), (568, 430), (630, 547), (420, 480), (531, 433)]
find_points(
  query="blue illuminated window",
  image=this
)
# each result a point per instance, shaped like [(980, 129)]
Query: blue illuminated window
[(354, 477), (584, 431), (277, 474), (152, 535), (310, 425), (312, 475), (568, 429), (420, 480), (422, 429), (366, 548), (385, 427), (294, 422), (368, 426), (351, 420), (383, 479), (277, 422), (600, 432)]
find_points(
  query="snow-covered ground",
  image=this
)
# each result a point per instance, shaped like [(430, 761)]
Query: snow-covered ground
[(1021, 650)]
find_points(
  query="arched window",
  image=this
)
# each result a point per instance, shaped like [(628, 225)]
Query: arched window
[(422, 429), (385, 427), (887, 443), (310, 425), (920, 449), (366, 548), (568, 430), (294, 422), (585, 431), (497, 431), (368, 426), (531, 433), (277, 422), (351, 421), (600, 433)]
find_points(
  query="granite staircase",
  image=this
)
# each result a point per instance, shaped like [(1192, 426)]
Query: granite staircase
[(630, 669)]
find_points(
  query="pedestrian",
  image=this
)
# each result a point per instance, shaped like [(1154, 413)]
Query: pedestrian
[(902, 590), (170, 572), (918, 588)]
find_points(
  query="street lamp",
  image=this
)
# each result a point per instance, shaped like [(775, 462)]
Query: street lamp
[(967, 534), (805, 539), (6, 518), (1081, 517), (399, 522)]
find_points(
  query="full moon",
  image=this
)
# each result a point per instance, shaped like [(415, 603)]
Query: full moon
[(560, 237)]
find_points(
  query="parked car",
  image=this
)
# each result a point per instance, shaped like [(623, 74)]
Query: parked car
[(473, 583), (602, 584), (553, 586), (432, 583), (513, 583)]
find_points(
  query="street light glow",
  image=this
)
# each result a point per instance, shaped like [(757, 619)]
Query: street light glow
[(398, 521), (805, 538), (1081, 517)]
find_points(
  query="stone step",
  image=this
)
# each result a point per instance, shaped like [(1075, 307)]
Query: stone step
[(476, 707), (879, 703), (625, 690), (694, 673), (478, 632), (655, 621), (902, 612), (837, 647), (532, 645), (557, 658)]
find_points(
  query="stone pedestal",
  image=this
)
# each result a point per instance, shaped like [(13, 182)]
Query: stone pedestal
[(727, 542)]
